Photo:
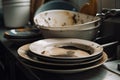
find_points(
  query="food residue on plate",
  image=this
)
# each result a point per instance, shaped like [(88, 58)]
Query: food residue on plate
[(62, 52)]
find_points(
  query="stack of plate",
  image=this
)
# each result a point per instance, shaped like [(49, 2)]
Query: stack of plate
[(65, 55)]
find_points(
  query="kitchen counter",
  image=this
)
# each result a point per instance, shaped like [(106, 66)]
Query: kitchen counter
[(10, 51)]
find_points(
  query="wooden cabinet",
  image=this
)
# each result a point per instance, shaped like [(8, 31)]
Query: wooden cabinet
[(108, 4), (34, 6)]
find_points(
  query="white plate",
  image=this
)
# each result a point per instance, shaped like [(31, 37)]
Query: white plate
[(41, 47), (69, 71), (23, 50), (23, 53)]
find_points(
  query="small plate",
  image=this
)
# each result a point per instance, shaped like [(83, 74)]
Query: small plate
[(23, 33)]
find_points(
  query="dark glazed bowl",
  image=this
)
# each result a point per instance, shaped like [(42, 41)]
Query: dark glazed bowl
[(56, 5)]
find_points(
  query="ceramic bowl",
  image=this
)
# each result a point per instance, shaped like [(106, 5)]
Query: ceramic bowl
[(67, 24), (56, 5)]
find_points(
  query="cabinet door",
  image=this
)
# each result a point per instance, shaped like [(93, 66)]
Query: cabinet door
[(111, 4), (118, 4), (108, 3)]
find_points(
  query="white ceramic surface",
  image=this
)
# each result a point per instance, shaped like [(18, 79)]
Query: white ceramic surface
[(88, 34), (63, 71), (40, 46), (67, 24), (63, 18), (22, 52)]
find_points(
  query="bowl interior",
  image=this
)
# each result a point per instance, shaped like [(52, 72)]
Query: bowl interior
[(65, 48), (63, 18)]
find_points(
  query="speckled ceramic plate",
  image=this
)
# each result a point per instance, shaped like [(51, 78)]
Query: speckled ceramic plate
[(65, 49), (23, 52), (56, 68)]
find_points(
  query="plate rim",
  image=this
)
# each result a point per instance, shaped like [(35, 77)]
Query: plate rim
[(70, 70), (105, 58)]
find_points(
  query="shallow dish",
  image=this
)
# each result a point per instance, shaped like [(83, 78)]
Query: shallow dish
[(65, 49), (69, 71), (44, 66), (24, 50), (65, 62)]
